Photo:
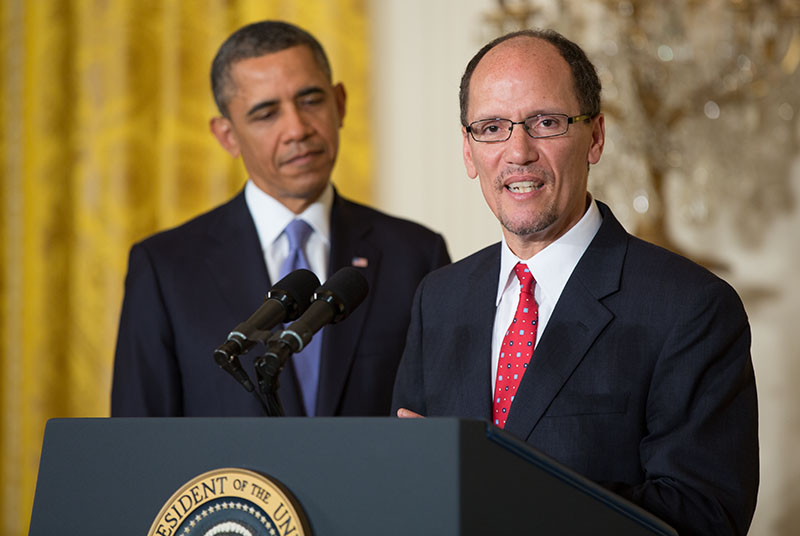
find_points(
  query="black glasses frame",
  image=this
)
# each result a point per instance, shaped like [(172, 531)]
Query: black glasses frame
[(570, 120)]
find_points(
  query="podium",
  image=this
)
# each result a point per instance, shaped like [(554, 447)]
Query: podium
[(351, 476)]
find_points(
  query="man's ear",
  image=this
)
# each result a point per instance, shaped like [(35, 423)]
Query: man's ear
[(598, 139), (222, 129), (472, 172), (340, 95)]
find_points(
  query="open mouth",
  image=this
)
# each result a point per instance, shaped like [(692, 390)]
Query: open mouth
[(523, 187)]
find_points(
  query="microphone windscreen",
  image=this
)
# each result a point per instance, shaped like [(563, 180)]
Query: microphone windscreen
[(299, 285), (348, 286)]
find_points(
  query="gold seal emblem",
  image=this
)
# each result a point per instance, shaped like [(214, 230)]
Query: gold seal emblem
[(231, 501)]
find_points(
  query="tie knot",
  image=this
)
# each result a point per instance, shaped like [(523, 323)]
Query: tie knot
[(297, 232), (526, 280)]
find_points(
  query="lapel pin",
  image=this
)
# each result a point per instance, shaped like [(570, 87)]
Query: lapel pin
[(360, 262)]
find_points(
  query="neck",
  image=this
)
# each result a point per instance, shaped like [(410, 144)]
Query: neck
[(525, 246)]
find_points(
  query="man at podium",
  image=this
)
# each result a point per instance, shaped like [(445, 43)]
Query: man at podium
[(625, 362)]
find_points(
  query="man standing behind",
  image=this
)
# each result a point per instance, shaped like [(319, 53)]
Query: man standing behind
[(625, 362), (187, 287)]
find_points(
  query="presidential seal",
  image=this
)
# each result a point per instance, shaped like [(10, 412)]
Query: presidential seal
[(231, 501)]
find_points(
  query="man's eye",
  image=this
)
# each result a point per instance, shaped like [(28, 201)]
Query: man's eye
[(549, 123), (490, 127), (265, 114), (311, 100)]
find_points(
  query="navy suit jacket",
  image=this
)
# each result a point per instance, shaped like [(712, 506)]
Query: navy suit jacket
[(187, 287), (641, 381)]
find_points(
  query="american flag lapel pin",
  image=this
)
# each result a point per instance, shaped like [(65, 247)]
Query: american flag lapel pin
[(360, 262)]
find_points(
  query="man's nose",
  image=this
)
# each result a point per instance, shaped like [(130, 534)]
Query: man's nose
[(520, 148), (295, 124)]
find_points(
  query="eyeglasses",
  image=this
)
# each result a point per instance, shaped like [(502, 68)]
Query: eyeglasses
[(537, 126)]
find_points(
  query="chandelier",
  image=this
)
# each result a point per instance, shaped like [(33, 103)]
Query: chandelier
[(702, 100)]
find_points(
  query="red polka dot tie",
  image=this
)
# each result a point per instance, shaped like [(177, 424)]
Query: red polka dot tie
[(517, 347)]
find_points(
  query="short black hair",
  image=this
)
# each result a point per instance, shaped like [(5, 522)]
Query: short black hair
[(584, 75), (255, 40)]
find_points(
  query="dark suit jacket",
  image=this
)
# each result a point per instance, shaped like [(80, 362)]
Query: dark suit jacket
[(186, 288), (642, 379)]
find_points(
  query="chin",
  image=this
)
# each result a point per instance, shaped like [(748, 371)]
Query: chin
[(311, 190), (529, 227)]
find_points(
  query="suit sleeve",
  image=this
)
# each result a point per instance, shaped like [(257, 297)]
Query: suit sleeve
[(700, 453), (146, 380), (408, 386)]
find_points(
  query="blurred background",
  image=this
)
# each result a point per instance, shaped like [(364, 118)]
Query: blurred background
[(104, 139)]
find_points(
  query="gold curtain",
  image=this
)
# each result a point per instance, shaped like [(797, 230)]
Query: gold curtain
[(104, 139)]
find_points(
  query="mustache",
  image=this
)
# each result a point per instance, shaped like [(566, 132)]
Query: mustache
[(533, 170)]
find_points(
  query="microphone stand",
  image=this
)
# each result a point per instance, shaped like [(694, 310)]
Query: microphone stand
[(266, 406), (268, 368)]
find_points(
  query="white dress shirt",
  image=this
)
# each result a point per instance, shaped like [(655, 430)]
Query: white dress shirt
[(271, 218), (551, 268)]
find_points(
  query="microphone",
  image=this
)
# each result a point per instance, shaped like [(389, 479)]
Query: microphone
[(286, 300), (331, 303)]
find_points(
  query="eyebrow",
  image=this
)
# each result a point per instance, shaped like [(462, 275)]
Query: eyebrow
[(303, 92), (534, 114), (308, 91)]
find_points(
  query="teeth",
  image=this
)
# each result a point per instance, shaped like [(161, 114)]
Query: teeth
[(523, 187)]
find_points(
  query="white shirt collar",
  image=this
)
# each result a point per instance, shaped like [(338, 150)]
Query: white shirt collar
[(271, 217), (552, 267)]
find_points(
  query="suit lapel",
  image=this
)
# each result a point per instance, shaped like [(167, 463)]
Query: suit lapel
[(234, 259), (578, 319), (350, 244), (237, 266)]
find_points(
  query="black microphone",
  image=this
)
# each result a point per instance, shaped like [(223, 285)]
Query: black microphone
[(332, 302), (285, 301)]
